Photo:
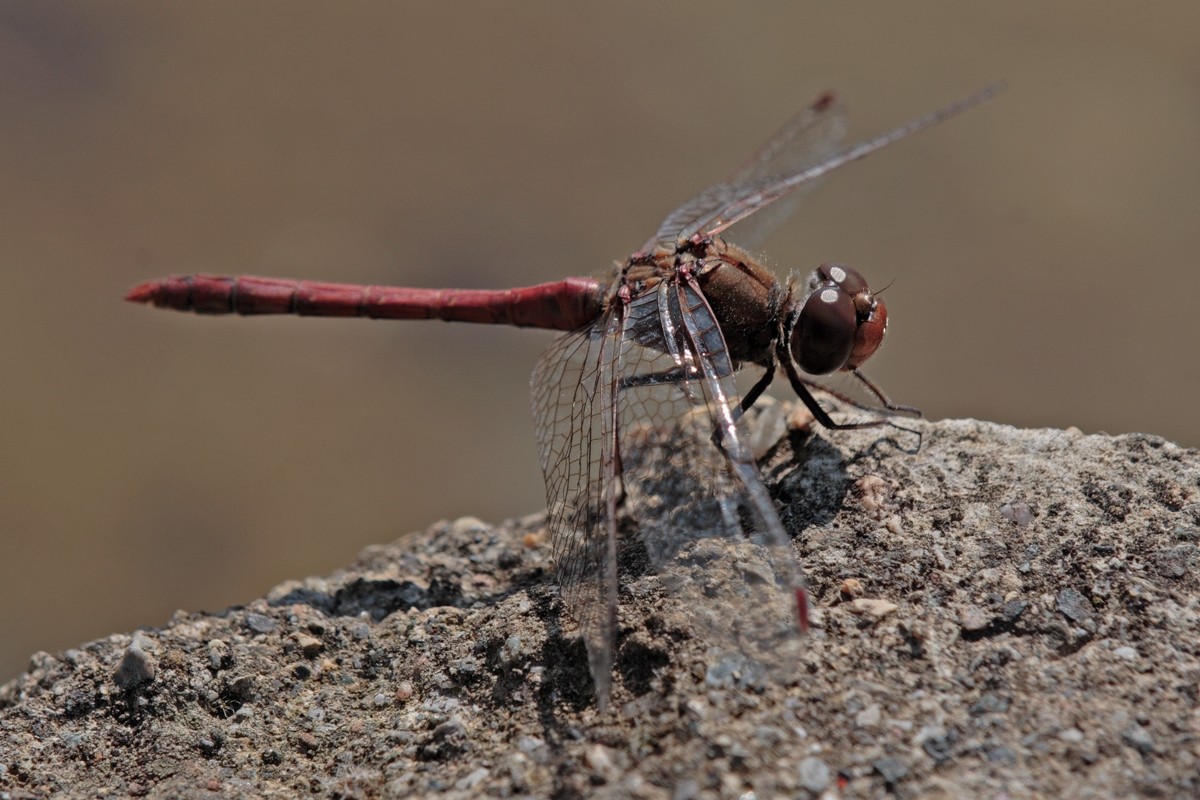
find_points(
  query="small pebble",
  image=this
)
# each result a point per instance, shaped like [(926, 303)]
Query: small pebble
[(306, 742), (452, 728), (1011, 611), (973, 619), (136, 667), (989, 703), (600, 760), (813, 773), (1073, 735), (1074, 606), (1019, 514), (1001, 755), (471, 779), (686, 789), (851, 588), (890, 769), (1138, 738), (260, 623), (873, 607), (872, 490), (467, 525), (404, 690), (309, 645), (869, 717), (1127, 653)]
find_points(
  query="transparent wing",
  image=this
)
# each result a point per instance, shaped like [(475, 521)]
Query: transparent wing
[(636, 419), (723, 205), (807, 138), (706, 519), (707, 523), (573, 410)]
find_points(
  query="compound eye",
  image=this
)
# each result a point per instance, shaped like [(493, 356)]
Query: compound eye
[(824, 335), (869, 335)]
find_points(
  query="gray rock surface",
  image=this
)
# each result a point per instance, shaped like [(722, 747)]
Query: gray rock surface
[(1031, 629)]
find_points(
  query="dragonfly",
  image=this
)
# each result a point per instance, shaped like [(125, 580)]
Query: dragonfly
[(643, 434)]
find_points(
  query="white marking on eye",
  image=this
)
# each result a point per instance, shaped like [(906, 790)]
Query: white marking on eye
[(829, 296), (838, 274)]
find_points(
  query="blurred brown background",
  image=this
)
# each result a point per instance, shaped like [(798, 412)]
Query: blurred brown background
[(1043, 248)]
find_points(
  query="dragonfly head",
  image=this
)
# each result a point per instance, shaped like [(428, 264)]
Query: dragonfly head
[(840, 324)]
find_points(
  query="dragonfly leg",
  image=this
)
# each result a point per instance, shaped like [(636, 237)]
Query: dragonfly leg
[(884, 400), (801, 387), (756, 391)]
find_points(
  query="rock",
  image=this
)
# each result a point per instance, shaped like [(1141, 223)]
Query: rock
[(405, 674)]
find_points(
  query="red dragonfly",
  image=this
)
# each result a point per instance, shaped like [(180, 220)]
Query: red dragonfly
[(638, 419)]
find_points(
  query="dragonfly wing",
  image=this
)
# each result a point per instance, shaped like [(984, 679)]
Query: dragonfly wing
[(573, 407), (807, 138), (753, 196), (705, 518), (717, 208)]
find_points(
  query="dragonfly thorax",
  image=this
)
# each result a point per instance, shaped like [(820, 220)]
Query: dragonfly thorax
[(746, 299)]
